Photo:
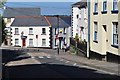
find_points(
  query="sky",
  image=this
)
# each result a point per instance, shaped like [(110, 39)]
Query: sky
[(43, 0)]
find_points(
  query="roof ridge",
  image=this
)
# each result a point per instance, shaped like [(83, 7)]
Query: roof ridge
[(47, 20)]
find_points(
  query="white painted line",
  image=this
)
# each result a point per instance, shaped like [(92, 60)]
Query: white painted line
[(74, 64), (32, 57), (41, 57), (67, 61), (48, 57)]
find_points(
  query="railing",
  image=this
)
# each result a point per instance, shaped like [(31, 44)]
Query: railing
[(81, 46)]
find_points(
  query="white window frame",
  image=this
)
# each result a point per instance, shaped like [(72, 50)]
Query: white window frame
[(44, 32), (30, 30), (95, 38), (113, 8), (103, 5), (42, 42), (30, 42), (16, 41), (115, 33), (16, 30), (95, 7)]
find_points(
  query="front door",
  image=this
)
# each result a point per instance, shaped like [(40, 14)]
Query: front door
[(23, 42)]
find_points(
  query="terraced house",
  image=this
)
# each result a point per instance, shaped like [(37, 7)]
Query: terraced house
[(9, 16), (104, 29), (30, 31), (79, 20)]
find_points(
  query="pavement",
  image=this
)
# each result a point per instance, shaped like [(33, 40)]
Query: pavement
[(103, 65)]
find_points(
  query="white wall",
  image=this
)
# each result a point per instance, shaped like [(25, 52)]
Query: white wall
[(79, 22), (36, 31), (75, 11)]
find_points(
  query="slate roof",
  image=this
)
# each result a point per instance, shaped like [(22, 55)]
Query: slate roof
[(13, 12), (28, 21), (63, 21), (81, 4)]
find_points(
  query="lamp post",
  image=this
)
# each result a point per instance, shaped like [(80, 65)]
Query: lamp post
[(88, 43), (58, 31)]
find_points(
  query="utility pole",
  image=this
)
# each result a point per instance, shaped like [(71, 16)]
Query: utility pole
[(88, 43), (58, 31)]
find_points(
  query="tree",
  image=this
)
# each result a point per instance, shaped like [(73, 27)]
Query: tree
[(2, 2), (2, 28), (2, 24)]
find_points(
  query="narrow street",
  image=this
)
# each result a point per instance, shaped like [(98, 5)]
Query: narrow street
[(50, 66)]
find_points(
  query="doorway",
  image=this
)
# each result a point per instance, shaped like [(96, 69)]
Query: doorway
[(23, 42)]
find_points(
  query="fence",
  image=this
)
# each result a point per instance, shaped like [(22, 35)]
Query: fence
[(81, 46)]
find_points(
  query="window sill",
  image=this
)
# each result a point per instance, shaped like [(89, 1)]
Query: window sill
[(17, 46), (43, 34), (95, 41), (95, 13), (16, 34), (114, 11), (43, 45), (30, 34), (116, 46), (103, 12)]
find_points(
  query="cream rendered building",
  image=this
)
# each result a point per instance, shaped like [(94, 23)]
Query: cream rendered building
[(104, 27)]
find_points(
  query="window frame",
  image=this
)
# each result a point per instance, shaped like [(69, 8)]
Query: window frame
[(114, 10), (104, 7), (42, 42), (30, 42), (43, 31), (16, 43), (30, 31), (16, 31), (95, 32), (115, 33), (114, 1)]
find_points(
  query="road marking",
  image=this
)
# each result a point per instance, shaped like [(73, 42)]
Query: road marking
[(32, 57), (48, 57), (74, 64), (41, 57), (67, 61)]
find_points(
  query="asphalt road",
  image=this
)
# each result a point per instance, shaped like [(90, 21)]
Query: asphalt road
[(52, 67)]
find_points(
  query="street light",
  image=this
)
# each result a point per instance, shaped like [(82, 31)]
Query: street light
[(58, 32)]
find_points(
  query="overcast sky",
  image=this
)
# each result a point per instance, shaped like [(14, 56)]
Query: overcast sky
[(43, 0)]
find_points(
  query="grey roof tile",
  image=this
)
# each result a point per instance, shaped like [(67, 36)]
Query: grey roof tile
[(81, 4), (13, 12), (28, 21), (63, 21)]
